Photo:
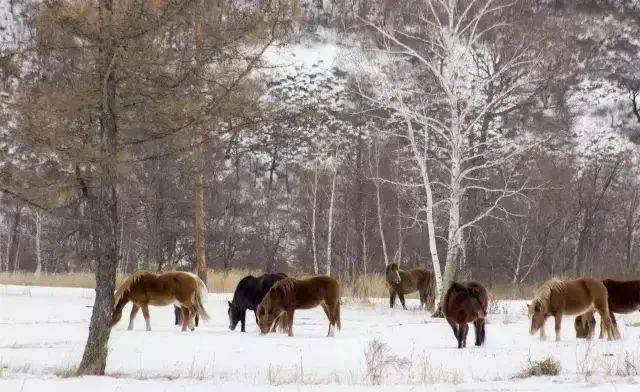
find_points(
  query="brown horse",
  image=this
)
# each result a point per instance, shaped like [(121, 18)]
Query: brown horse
[(572, 297), (290, 294), (624, 297), (401, 282), (466, 303), (145, 288)]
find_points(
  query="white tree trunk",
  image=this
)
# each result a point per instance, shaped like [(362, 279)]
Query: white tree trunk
[(454, 240), (380, 226), (313, 218), (330, 228), (365, 253), (38, 221), (420, 159)]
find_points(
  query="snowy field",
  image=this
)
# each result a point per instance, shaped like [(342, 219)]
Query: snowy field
[(42, 333)]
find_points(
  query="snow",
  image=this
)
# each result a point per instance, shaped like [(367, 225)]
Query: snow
[(42, 333)]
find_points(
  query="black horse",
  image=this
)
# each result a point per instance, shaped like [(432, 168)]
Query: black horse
[(248, 294)]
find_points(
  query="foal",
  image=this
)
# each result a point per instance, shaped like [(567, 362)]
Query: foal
[(466, 303), (145, 288)]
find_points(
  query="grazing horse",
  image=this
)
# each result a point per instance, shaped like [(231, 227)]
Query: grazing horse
[(248, 294), (580, 296), (145, 288), (624, 297), (466, 303), (401, 282), (290, 294)]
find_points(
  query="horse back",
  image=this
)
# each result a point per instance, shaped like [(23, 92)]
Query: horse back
[(578, 295), (459, 305), (310, 292), (420, 275), (624, 295), (164, 289), (250, 290)]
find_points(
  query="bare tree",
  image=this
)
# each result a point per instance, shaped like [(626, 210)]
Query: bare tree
[(334, 177), (135, 87), (457, 97)]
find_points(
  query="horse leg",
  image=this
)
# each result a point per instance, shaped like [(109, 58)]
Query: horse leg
[(145, 313), (614, 324), (289, 318), (177, 312), (326, 311), (606, 323), (423, 299), (392, 298), (453, 327), (243, 316), (465, 327), (401, 296), (616, 331), (543, 334), (478, 327), (134, 311), (193, 312), (558, 319), (185, 318)]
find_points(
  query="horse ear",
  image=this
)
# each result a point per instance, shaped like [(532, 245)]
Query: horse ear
[(229, 302)]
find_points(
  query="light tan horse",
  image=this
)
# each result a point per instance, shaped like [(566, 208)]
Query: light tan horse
[(145, 288), (576, 297)]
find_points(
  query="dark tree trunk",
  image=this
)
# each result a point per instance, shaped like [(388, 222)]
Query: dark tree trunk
[(12, 259), (103, 208)]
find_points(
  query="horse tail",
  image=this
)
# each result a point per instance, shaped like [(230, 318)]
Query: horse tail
[(338, 324), (200, 299)]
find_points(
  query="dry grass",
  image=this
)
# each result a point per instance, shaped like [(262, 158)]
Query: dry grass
[(360, 289), (364, 287), (546, 367), (508, 291), (223, 281), (84, 280)]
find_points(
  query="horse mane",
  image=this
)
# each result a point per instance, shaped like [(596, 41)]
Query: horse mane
[(285, 288), (543, 293), (125, 286), (392, 265)]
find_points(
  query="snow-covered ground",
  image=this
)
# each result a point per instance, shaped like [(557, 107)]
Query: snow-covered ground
[(42, 332)]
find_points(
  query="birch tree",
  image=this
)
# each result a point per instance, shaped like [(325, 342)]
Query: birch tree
[(467, 76)]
